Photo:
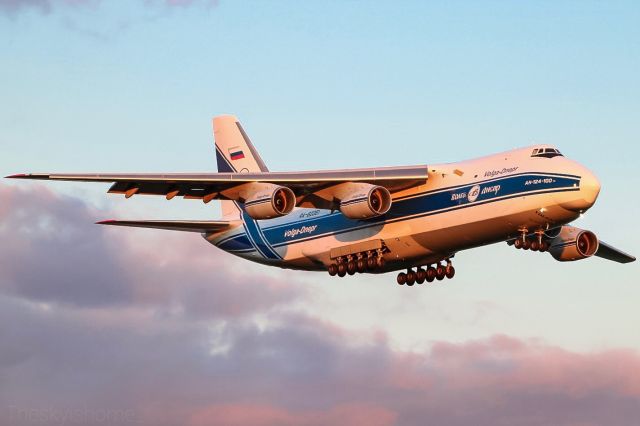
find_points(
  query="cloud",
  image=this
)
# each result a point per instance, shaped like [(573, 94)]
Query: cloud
[(186, 3), (13, 7), (53, 252), (163, 370), (158, 328), (264, 415)]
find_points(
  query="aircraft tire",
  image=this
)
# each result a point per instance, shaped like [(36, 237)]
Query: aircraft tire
[(342, 269), (333, 269), (362, 265), (380, 262), (411, 278), (371, 263), (431, 274), (518, 243), (535, 246), (526, 245), (351, 267), (544, 246), (449, 271), (402, 278), (421, 275), (440, 273)]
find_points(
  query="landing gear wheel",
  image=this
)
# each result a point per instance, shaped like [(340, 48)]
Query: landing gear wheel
[(526, 244), (351, 267), (535, 246), (361, 265), (421, 275), (371, 263), (544, 246), (431, 274), (333, 269), (518, 243), (440, 272), (402, 278), (380, 262), (411, 278), (449, 271), (342, 269)]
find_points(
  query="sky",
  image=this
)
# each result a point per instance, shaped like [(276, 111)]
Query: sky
[(115, 326)]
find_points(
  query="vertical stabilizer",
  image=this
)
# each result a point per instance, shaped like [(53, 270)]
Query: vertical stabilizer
[(235, 154)]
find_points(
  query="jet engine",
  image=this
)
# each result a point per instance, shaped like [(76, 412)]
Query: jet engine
[(365, 201), (268, 201), (573, 243)]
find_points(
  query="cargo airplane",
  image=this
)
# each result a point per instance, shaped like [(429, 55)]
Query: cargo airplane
[(375, 220)]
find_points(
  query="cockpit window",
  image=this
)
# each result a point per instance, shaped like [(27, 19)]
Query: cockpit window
[(546, 153)]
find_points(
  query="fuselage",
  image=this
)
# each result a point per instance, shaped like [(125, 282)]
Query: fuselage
[(461, 206)]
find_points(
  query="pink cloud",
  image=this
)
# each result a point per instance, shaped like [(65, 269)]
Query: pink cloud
[(513, 363), (266, 415)]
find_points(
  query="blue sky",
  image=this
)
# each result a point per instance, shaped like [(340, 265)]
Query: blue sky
[(132, 86)]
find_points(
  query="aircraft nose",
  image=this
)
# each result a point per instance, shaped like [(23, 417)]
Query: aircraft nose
[(589, 188)]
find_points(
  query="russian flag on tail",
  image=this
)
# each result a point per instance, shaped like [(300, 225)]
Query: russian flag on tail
[(236, 153)]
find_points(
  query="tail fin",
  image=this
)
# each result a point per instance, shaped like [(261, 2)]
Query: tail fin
[(235, 154)]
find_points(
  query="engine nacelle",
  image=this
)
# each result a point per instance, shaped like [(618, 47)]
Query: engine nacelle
[(266, 201), (573, 243), (365, 201)]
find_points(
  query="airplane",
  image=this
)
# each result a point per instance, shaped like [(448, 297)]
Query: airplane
[(376, 220)]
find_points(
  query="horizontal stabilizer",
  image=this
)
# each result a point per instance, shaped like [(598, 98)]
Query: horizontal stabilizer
[(608, 252), (201, 226)]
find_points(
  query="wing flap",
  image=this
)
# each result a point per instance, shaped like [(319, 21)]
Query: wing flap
[(200, 226), (609, 252)]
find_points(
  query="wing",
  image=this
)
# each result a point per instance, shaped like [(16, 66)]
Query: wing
[(312, 189), (201, 226), (608, 252)]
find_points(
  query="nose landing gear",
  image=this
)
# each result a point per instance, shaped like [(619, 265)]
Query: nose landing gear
[(530, 242)]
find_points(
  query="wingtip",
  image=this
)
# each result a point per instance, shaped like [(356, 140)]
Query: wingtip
[(106, 222), (40, 176)]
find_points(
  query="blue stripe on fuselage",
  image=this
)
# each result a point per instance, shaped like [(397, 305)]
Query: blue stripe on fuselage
[(409, 207), (258, 238)]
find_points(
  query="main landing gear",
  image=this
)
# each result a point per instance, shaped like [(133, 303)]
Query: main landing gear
[(431, 273), (368, 261), (528, 242)]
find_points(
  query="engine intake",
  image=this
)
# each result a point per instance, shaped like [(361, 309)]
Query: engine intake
[(365, 201), (573, 243), (269, 201)]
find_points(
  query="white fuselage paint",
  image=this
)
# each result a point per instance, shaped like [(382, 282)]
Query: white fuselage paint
[(494, 198)]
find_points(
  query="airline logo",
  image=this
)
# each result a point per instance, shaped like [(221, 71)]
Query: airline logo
[(236, 153), (505, 170), (292, 233), (473, 193)]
